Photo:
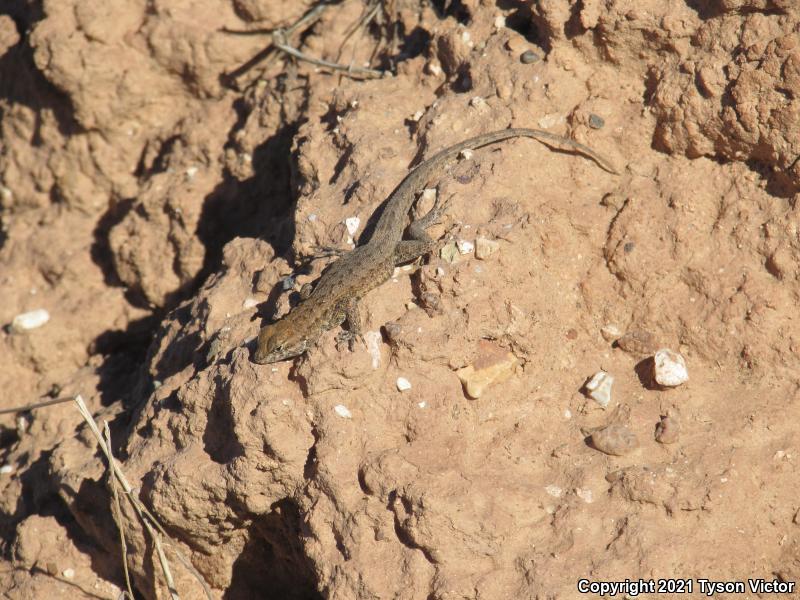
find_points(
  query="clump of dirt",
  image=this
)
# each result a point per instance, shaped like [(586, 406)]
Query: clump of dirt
[(166, 179)]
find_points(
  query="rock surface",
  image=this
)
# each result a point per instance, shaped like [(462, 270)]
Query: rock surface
[(160, 188)]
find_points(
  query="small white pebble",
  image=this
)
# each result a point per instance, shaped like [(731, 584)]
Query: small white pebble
[(352, 224), (484, 248), (548, 121), (68, 573), (499, 22), (610, 333), (191, 172), (477, 102), (567, 413), (6, 469), (5, 193), (422, 404), (343, 411), (434, 68), (428, 195), (403, 384), (466, 154), (599, 387), (585, 495), (466, 37), (373, 341), (779, 454), (439, 271), (22, 425), (669, 368), (30, 320), (417, 115), (312, 217), (465, 246), (554, 490), (249, 302), (354, 104)]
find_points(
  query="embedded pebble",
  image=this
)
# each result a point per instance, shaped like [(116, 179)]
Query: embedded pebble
[(30, 320), (668, 430), (599, 388), (528, 57), (343, 411), (373, 340), (548, 121), (428, 195), (403, 384), (449, 253), (68, 573), (477, 102), (417, 115), (610, 333), (499, 22), (466, 154), (352, 224), (616, 440), (484, 248), (637, 342), (596, 121), (669, 368), (495, 364), (465, 246), (6, 469), (585, 495), (249, 302), (554, 490), (191, 172)]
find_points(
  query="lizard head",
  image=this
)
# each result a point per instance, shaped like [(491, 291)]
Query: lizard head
[(279, 341)]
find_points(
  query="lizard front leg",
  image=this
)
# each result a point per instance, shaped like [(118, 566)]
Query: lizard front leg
[(355, 323)]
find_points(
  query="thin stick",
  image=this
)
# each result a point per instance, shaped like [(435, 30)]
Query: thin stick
[(42, 404), (118, 515), (147, 518), (348, 69)]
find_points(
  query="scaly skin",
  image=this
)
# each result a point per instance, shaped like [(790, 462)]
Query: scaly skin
[(337, 292)]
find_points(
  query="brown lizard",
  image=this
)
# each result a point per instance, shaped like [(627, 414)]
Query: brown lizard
[(335, 298)]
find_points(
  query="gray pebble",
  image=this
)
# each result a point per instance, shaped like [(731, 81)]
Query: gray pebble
[(596, 121), (528, 57), (616, 440)]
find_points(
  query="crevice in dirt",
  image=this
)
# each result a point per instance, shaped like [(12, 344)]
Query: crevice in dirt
[(273, 565)]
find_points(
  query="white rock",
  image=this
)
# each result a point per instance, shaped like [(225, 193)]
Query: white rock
[(403, 384), (554, 490), (417, 115), (599, 388), (68, 573), (610, 333), (499, 22), (373, 341), (249, 302), (352, 224), (585, 495), (466, 154), (343, 411), (6, 469), (30, 320), (422, 404), (484, 248), (477, 102), (465, 246), (669, 368), (191, 172)]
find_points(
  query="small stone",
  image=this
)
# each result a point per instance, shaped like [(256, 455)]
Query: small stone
[(551, 120), (373, 340), (30, 320), (493, 365), (529, 57), (249, 302), (616, 440), (417, 115), (668, 429), (403, 384), (191, 172), (68, 573), (499, 22), (596, 121), (637, 342), (343, 411), (599, 388), (466, 154), (465, 246), (6, 469), (610, 333), (554, 490), (585, 495), (477, 102), (484, 248), (669, 368), (352, 223), (449, 253)]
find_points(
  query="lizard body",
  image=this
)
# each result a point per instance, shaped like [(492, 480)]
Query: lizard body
[(335, 297)]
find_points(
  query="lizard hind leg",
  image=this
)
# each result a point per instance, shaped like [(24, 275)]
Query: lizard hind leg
[(418, 227), (355, 323)]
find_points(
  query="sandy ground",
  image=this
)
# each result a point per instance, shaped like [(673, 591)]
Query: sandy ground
[(164, 179)]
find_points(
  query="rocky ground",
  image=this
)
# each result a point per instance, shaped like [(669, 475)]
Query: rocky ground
[(164, 179)]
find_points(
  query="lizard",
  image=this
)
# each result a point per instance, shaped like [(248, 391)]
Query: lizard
[(335, 298)]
